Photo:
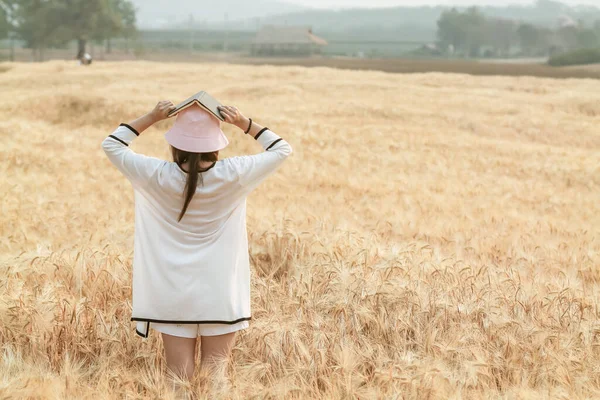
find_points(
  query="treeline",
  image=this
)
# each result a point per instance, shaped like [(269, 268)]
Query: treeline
[(470, 33), (42, 24)]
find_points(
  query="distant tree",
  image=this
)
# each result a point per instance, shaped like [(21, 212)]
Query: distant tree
[(38, 23), (44, 23), (108, 23), (4, 22), (528, 37), (588, 38), (568, 37), (7, 24), (129, 20), (116, 20), (501, 35), (7, 17), (81, 20), (475, 24), (462, 31), (534, 40), (451, 34)]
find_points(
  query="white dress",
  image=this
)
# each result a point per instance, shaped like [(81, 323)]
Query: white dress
[(197, 270)]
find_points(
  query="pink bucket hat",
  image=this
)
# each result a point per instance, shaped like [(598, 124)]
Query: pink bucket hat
[(197, 131)]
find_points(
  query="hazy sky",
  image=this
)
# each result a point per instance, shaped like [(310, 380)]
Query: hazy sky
[(391, 3)]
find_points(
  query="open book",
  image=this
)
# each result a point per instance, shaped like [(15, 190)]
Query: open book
[(204, 100)]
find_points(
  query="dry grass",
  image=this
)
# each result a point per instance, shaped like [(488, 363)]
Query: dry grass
[(433, 236)]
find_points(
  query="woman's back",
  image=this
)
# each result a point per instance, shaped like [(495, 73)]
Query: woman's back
[(215, 198), (196, 268)]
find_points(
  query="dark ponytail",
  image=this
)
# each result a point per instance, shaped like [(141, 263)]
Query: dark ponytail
[(194, 175), (191, 183)]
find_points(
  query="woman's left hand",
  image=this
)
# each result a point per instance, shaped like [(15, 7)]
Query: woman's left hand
[(233, 116), (162, 110)]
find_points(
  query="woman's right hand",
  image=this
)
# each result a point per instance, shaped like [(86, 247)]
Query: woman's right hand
[(233, 116)]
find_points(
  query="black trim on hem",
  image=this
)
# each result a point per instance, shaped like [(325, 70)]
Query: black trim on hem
[(131, 129), (116, 138), (147, 331), (274, 143), (260, 133), (163, 321)]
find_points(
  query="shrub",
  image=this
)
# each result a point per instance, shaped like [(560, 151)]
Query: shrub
[(576, 57)]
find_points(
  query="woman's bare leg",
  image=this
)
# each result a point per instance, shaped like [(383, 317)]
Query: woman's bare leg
[(180, 353), (215, 353)]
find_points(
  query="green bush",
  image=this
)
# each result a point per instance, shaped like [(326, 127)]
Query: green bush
[(576, 57)]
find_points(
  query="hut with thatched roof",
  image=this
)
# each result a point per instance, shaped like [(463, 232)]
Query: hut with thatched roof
[(274, 40)]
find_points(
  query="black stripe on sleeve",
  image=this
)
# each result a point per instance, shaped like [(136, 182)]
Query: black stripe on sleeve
[(260, 133), (274, 143), (116, 138), (131, 129)]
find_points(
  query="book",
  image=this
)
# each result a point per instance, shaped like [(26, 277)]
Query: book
[(204, 100)]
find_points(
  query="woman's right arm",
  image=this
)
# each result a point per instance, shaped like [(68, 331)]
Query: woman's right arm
[(252, 170)]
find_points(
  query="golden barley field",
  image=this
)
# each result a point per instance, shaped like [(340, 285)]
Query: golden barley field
[(433, 236)]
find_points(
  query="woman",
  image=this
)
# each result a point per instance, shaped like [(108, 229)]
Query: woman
[(191, 274)]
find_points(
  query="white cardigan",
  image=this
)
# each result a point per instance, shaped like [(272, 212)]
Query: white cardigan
[(197, 270)]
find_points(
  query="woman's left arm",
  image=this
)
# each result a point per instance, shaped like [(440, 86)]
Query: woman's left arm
[(160, 112), (136, 167)]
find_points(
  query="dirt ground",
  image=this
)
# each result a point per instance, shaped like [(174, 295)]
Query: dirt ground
[(500, 68)]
